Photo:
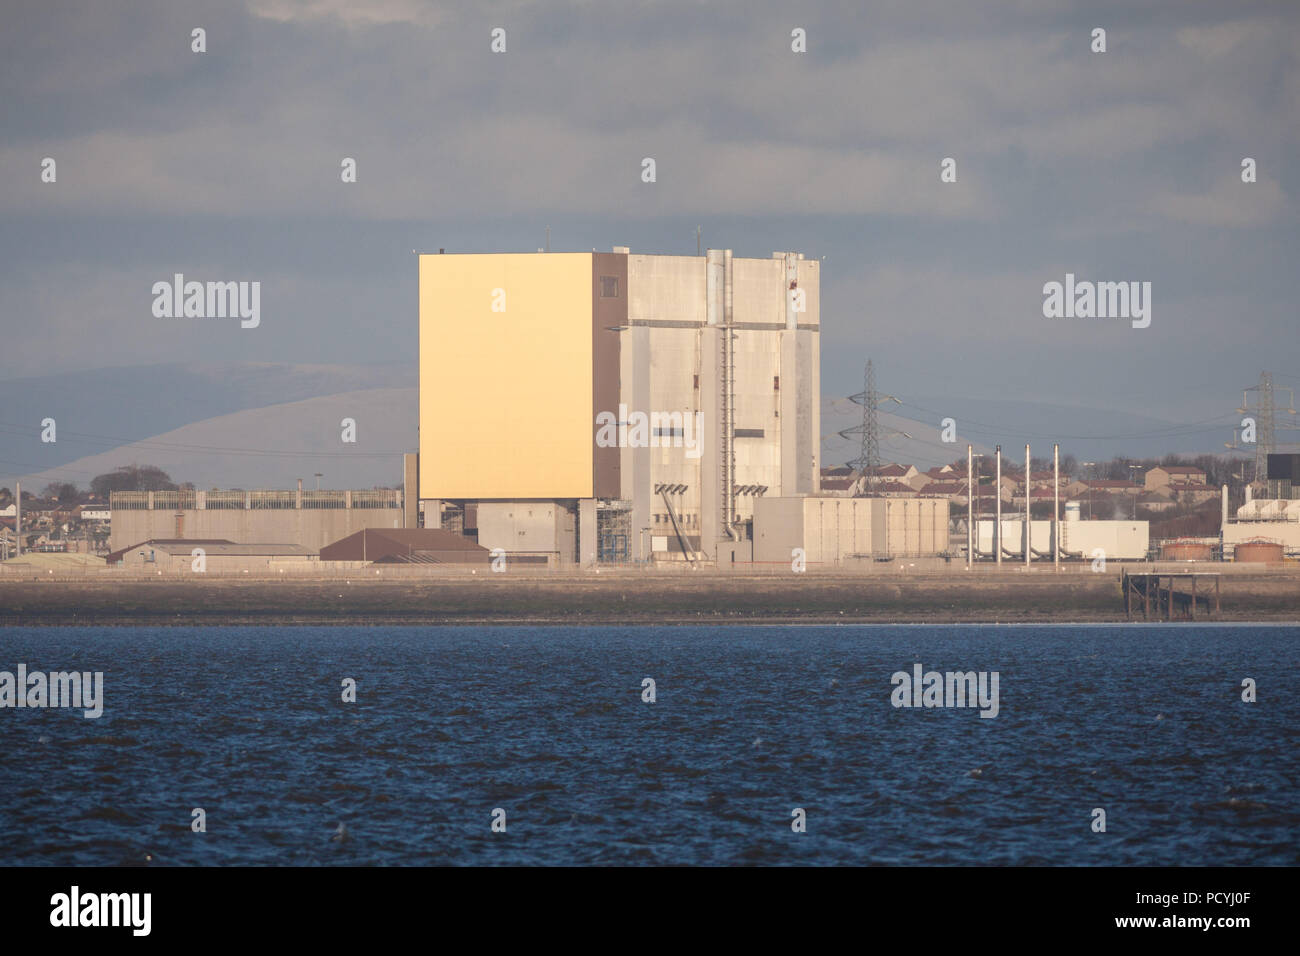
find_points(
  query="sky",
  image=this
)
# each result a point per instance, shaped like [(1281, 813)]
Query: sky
[(225, 165)]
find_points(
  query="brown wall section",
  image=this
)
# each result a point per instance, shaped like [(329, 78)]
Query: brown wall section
[(606, 312)]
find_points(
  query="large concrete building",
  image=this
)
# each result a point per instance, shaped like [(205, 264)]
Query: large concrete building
[(615, 406)]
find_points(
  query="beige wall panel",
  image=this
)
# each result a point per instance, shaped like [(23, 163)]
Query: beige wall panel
[(759, 293), (506, 397), (666, 289)]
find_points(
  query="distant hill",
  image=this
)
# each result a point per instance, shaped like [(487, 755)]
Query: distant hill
[(266, 424), (107, 408), (271, 447)]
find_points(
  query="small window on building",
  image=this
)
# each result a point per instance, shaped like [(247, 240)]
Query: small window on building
[(776, 383), (609, 287)]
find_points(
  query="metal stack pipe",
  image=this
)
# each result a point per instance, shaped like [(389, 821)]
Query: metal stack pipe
[(1056, 507), (970, 505), (997, 508), (1027, 460)]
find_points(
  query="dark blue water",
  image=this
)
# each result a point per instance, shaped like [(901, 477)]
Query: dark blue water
[(1146, 722)]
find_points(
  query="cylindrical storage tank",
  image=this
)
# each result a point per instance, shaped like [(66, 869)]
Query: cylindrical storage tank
[(1269, 552), (1185, 551), (1072, 512)]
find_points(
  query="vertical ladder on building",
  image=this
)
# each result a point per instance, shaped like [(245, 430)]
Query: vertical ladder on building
[(727, 466), (724, 470)]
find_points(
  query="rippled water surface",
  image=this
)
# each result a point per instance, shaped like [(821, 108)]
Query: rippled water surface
[(548, 724)]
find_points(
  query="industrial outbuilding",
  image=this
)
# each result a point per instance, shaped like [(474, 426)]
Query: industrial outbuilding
[(119, 557), (834, 532), (405, 546), (309, 518), (1273, 520), (208, 556), (1080, 540)]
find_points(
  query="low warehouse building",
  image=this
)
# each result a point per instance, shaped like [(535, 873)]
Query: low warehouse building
[(834, 532), (1119, 540), (119, 557), (182, 554)]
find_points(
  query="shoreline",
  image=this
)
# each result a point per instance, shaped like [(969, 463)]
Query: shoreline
[(699, 599)]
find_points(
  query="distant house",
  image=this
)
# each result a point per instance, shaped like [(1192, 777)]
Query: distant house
[(32, 507), (903, 474), (1043, 479), (1036, 495), (1104, 486), (951, 490), (1154, 501), (1162, 477), (1190, 492), (838, 486), (93, 511), (894, 471), (893, 488), (892, 480)]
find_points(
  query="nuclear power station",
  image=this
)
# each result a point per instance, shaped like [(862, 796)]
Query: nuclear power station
[(616, 406)]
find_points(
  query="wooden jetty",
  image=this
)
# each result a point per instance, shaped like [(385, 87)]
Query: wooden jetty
[(1172, 602)]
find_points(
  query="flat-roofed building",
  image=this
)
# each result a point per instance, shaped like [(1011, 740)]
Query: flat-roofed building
[(839, 532), (615, 405)]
